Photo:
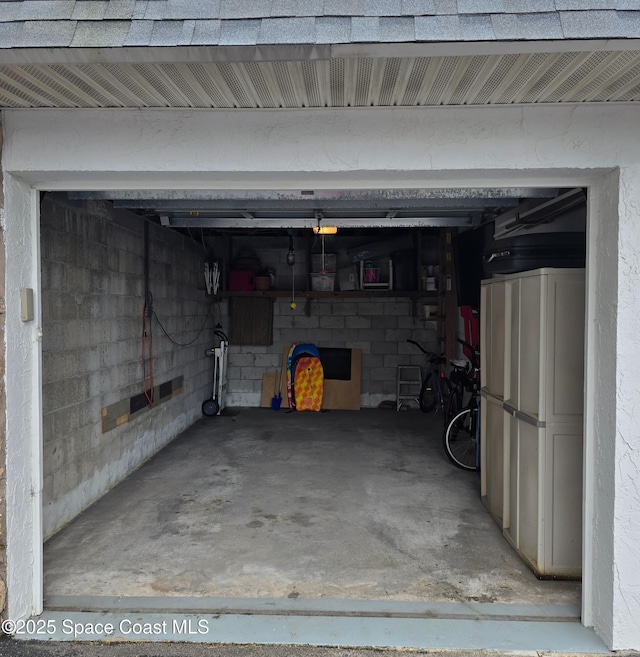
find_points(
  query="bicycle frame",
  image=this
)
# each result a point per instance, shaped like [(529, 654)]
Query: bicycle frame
[(461, 438), (435, 388)]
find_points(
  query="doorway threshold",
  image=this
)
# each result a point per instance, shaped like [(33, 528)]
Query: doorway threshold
[(352, 623)]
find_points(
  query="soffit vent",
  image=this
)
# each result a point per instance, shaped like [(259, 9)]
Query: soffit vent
[(261, 85), (312, 84), (611, 68), (601, 76), (232, 80), (493, 78), (390, 77), (129, 85), (336, 82), (415, 80)]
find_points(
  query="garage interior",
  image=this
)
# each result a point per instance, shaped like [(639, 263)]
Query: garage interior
[(143, 496)]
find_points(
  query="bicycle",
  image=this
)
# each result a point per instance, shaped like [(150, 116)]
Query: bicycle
[(461, 438), (435, 387), (462, 375)]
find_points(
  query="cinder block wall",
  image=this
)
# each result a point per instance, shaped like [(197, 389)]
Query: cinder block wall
[(377, 326), (92, 305)]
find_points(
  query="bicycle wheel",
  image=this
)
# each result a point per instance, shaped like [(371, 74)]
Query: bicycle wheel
[(460, 440), (428, 396)]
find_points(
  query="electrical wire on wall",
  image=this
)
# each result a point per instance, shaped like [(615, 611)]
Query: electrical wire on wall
[(147, 345), (212, 275), (185, 344), (147, 335)]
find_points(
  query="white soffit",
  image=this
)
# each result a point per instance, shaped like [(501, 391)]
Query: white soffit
[(603, 75)]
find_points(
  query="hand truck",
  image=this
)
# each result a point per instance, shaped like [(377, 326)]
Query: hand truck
[(216, 404)]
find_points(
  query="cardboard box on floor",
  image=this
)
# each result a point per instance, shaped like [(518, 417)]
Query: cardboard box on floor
[(337, 394), (269, 388)]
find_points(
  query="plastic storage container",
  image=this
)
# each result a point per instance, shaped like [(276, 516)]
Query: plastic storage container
[(242, 280), (322, 282), (330, 261)]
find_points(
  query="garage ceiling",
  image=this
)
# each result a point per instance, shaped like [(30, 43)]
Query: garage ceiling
[(523, 207), (539, 77)]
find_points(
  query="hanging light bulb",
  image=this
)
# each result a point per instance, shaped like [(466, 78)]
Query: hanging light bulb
[(319, 229), (325, 230)]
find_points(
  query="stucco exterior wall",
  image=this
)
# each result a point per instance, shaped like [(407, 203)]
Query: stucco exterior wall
[(24, 409), (600, 419), (327, 148), (626, 577), (3, 405), (436, 147)]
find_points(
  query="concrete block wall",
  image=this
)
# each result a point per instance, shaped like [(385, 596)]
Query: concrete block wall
[(92, 307), (377, 326)]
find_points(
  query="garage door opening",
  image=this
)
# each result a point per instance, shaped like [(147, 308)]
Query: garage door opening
[(258, 504)]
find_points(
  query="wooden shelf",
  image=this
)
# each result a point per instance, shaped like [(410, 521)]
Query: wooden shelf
[(314, 294)]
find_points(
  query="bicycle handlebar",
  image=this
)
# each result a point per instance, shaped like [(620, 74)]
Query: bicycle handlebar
[(424, 351), (475, 352)]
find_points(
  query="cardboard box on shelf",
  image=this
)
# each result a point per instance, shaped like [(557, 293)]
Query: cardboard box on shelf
[(348, 278)]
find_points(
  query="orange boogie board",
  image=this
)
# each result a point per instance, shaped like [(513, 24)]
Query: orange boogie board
[(309, 384)]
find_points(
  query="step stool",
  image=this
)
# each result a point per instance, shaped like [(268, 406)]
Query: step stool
[(408, 383)]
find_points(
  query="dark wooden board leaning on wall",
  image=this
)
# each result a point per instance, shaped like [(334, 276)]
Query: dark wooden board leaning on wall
[(251, 320)]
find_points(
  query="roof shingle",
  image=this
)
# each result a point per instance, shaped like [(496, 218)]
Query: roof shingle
[(8, 11), (287, 30), (287, 8), (585, 5), (418, 7), (476, 28), (206, 32), (333, 29), (447, 7), (172, 33), (438, 28), (120, 10), (343, 7), (242, 9), (480, 6), (529, 7), (47, 34), (582, 24), (49, 10), (527, 26), (87, 10), (239, 33), (52, 23), (98, 34), (139, 33), (382, 8), (398, 28), (366, 30), (183, 9)]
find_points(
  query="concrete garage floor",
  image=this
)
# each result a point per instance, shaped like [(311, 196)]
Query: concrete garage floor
[(263, 504)]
